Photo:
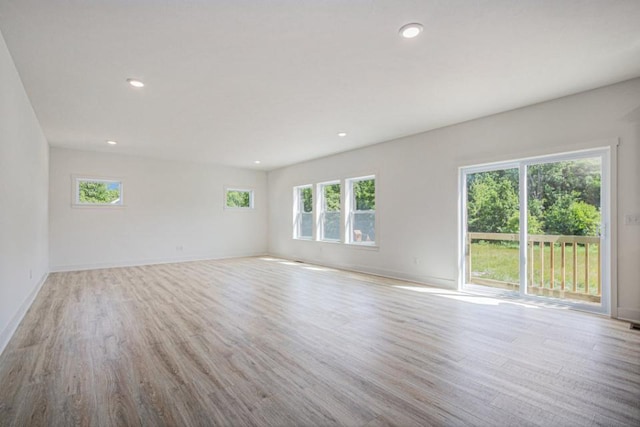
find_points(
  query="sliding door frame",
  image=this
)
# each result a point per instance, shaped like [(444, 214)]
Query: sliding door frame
[(606, 190)]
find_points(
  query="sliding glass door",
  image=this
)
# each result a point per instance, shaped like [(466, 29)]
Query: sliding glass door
[(492, 251), (559, 206), (565, 223)]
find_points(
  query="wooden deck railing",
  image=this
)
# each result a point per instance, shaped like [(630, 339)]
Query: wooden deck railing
[(573, 282)]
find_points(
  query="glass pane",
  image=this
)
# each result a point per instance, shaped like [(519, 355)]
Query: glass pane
[(493, 226), (332, 197), (306, 225), (306, 199), (238, 199), (365, 195), (564, 221), (99, 192), (331, 226), (364, 227)]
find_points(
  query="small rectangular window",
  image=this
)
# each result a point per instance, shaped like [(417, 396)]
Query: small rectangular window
[(98, 192), (361, 222), (303, 211), (239, 198), (330, 199)]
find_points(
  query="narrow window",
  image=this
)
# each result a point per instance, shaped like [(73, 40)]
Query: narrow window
[(239, 198), (303, 211), (330, 211), (98, 192), (361, 221)]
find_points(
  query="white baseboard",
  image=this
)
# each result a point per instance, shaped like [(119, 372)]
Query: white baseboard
[(438, 282), (10, 329), (137, 263), (629, 314)]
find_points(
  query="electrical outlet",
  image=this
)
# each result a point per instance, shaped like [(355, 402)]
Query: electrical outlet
[(416, 260), (632, 219), (30, 274), (179, 248)]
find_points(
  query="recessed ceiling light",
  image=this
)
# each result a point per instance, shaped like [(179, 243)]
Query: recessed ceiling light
[(257, 162), (342, 134), (410, 31), (110, 142), (135, 83)]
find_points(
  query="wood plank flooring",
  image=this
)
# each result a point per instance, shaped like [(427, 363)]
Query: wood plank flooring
[(261, 341)]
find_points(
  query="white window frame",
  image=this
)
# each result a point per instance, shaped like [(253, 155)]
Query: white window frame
[(350, 210), (75, 195), (607, 235), (298, 211), (239, 208), (322, 211)]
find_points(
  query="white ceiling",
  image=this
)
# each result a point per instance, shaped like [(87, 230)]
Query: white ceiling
[(234, 81)]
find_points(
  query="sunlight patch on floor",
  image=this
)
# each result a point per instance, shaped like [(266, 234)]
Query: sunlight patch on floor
[(318, 268), (288, 263), (426, 290), (474, 299)]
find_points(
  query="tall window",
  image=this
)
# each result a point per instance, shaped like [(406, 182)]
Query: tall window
[(361, 221), (303, 228), (329, 211)]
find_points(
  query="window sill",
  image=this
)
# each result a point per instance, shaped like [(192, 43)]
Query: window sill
[(231, 209), (364, 246), (361, 246), (96, 206)]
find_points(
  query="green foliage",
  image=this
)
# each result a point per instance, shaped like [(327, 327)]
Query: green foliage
[(584, 219), (332, 197), (534, 225), (572, 217), (563, 198), (238, 199), (307, 199), (332, 207), (365, 194), (493, 201), (549, 181), (97, 192)]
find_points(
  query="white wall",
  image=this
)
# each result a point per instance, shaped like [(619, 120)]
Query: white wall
[(167, 204), (417, 180), (24, 160)]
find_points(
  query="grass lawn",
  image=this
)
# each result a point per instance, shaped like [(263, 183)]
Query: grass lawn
[(500, 261)]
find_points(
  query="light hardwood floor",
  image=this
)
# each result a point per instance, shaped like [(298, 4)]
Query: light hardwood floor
[(260, 341)]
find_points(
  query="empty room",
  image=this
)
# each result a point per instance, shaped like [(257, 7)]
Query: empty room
[(320, 212)]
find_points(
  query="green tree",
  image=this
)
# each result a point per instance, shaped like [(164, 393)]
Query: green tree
[(548, 182), (573, 217), (492, 202), (365, 195), (534, 226), (307, 200), (563, 198), (365, 200), (332, 215), (97, 192), (332, 197), (238, 199)]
